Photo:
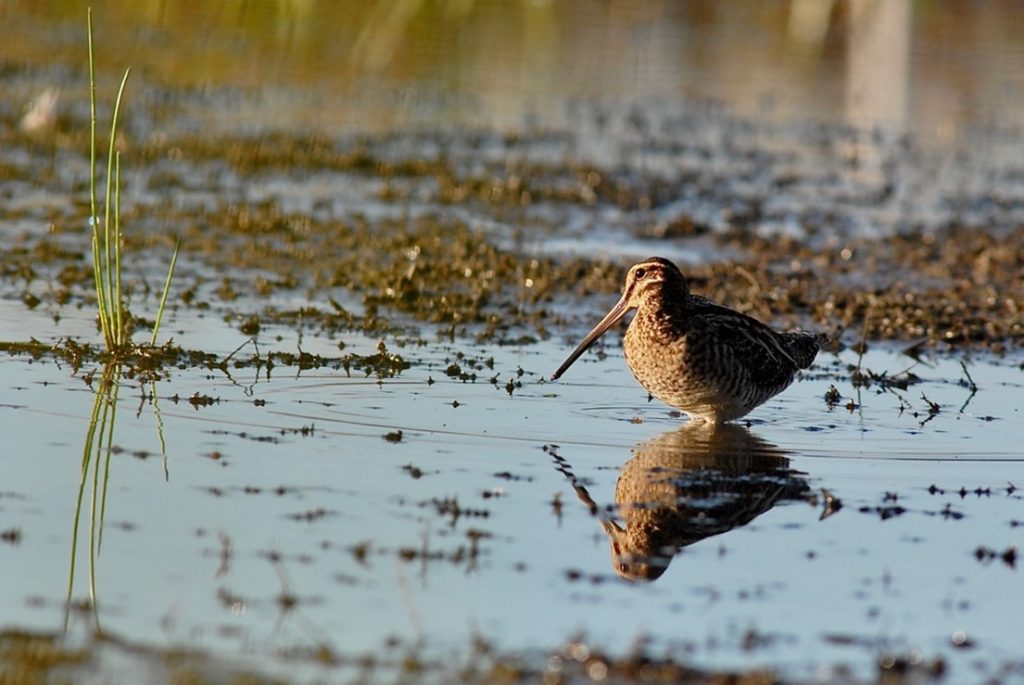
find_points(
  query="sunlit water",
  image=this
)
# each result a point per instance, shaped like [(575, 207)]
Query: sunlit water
[(286, 488)]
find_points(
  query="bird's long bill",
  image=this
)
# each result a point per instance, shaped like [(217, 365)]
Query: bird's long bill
[(609, 320)]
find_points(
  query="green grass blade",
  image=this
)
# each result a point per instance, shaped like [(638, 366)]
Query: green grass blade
[(109, 247), (97, 272), (97, 265), (119, 327), (167, 289)]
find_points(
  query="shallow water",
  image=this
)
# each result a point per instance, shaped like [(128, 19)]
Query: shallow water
[(316, 523), (280, 515)]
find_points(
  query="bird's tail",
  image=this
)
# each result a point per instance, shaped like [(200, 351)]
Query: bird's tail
[(803, 346)]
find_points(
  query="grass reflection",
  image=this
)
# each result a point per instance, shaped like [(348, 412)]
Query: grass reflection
[(95, 476), (99, 442)]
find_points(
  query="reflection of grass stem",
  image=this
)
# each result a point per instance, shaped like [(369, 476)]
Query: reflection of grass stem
[(970, 385), (86, 459), (99, 441), (97, 454), (159, 428), (111, 406)]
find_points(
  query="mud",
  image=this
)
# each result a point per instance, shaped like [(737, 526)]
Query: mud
[(435, 238)]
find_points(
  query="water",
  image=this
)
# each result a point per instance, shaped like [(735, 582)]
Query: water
[(307, 522), (288, 489)]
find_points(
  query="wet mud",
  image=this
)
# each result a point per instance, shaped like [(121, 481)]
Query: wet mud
[(463, 229)]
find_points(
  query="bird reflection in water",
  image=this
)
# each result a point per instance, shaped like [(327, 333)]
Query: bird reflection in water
[(686, 485)]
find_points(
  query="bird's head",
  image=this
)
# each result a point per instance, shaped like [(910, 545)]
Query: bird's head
[(648, 282), (650, 279)]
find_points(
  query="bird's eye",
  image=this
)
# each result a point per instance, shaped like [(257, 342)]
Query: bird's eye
[(640, 272)]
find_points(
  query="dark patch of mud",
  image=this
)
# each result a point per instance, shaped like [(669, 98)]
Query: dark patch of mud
[(41, 657)]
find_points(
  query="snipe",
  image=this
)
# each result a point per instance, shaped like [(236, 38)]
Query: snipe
[(709, 361)]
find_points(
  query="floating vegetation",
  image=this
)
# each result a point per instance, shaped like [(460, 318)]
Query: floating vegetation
[(384, 364), (154, 363), (146, 362), (11, 536), (987, 555), (449, 508)]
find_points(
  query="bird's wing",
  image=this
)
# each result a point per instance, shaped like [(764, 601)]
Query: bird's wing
[(768, 361)]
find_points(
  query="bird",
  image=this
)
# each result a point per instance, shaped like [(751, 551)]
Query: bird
[(711, 362)]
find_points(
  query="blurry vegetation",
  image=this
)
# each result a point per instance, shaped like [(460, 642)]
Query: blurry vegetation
[(42, 657), (502, 52)]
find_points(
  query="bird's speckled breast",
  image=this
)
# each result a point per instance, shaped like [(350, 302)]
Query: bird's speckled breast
[(671, 362)]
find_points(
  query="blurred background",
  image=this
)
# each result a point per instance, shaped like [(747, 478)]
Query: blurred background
[(933, 68)]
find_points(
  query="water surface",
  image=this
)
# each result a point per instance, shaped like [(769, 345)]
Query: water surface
[(345, 175)]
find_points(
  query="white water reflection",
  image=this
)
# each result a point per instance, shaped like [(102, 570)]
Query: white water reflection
[(878, 86)]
